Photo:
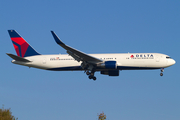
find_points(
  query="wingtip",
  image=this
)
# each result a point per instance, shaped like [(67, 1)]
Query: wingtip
[(52, 32), (58, 41)]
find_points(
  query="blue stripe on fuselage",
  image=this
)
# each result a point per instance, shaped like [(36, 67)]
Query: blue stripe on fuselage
[(78, 68)]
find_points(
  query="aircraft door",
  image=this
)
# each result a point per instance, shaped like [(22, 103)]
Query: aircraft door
[(157, 58), (44, 60)]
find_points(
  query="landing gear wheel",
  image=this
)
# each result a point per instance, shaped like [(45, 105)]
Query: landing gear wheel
[(161, 74), (94, 78), (90, 77)]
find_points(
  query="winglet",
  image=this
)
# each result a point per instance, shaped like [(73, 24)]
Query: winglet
[(58, 41)]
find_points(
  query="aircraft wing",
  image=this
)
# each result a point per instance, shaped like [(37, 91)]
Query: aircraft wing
[(76, 54)]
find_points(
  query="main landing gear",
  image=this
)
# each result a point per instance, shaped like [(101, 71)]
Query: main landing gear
[(162, 70), (91, 75), (89, 70)]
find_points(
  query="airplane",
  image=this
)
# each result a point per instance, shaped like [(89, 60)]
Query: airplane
[(75, 60)]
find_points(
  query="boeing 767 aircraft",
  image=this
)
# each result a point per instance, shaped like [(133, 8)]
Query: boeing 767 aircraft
[(75, 60)]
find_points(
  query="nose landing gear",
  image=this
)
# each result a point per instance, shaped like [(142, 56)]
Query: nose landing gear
[(162, 70)]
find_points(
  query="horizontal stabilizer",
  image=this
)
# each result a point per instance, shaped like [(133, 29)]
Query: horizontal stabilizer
[(17, 58)]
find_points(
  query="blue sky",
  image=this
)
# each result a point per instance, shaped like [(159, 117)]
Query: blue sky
[(96, 26)]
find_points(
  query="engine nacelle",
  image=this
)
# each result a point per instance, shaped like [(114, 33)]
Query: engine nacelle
[(111, 72), (108, 65)]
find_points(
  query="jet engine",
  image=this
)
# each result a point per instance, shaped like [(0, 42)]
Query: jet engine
[(111, 72), (108, 65)]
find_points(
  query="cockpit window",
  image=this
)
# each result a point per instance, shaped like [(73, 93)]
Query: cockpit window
[(168, 57)]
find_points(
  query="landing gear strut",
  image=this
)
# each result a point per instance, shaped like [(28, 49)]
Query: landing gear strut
[(162, 70), (87, 73)]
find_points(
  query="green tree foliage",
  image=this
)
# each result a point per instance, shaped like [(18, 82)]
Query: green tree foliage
[(102, 116), (6, 114)]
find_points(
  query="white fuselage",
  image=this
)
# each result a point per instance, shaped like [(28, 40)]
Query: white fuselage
[(128, 61)]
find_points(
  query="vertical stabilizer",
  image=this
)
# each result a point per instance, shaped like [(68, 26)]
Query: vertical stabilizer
[(23, 49)]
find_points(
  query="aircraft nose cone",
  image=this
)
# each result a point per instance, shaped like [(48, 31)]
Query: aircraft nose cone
[(170, 62), (173, 62)]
